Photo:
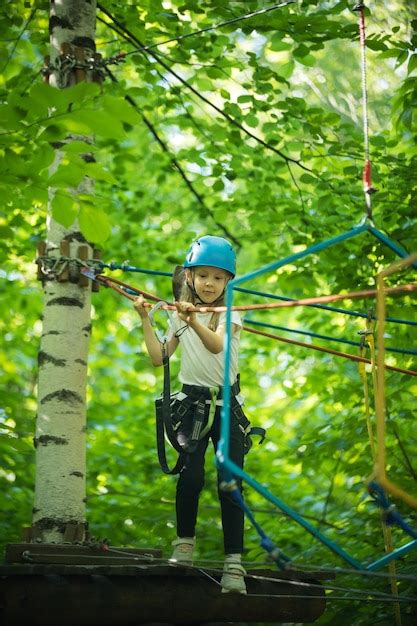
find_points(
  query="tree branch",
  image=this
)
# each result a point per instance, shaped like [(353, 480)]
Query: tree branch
[(228, 117), (178, 167)]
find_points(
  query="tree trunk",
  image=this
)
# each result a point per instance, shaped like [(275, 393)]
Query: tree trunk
[(61, 419)]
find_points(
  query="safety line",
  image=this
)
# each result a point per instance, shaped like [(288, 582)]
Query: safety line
[(130, 292), (324, 307), (331, 597), (131, 268), (379, 596), (345, 571), (325, 337), (367, 168), (346, 355)]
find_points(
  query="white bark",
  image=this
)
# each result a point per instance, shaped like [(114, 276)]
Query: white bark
[(61, 420)]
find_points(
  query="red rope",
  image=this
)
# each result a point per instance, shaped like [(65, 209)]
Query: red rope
[(120, 287), (345, 355)]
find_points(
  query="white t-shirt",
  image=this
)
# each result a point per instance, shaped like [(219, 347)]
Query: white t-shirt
[(199, 366)]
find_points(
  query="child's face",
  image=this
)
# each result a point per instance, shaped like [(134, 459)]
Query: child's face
[(209, 282)]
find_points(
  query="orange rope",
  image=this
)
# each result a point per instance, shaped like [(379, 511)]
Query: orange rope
[(346, 355), (117, 285)]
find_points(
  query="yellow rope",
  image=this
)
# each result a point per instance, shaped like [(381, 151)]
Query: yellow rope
[(379, 472), (368, 338)]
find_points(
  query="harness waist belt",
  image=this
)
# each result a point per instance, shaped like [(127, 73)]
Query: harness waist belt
[(194, 391)]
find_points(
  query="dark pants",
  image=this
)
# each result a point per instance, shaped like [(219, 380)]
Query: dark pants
[(191, 482)]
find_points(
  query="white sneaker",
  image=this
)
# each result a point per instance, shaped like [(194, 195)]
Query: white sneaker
[(233, 579), (183, 550)]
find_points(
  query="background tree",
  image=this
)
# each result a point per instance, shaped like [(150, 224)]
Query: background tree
[(61, 416), (250, 130)]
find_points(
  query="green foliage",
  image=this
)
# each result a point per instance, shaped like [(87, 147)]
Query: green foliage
[(278, 165)]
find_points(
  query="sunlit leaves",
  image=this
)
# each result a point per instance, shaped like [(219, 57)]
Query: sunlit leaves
[(293, 79)]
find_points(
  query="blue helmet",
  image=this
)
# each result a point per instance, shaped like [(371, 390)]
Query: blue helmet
[(213, 252)]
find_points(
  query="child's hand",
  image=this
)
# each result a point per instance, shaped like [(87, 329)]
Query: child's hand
[(139, 305), (184, 312)]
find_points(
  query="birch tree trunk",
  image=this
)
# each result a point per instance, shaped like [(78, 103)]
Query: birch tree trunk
[(61, 419)]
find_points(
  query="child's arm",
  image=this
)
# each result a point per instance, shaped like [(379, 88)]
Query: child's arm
[(153, 345), (212, 340)]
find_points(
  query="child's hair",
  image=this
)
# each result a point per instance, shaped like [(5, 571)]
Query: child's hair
[(187, 295)]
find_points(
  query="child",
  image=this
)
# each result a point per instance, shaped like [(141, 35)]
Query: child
[(210, 263)]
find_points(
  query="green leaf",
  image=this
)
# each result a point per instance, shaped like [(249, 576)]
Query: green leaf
[(309, 60), (412, 64), (97, 172), (94, 223), (78, 147), (64, 208), (402, 58), (244, 98), (277, 43), (120, 109), (91, 122), (67, 174), (308, 178)]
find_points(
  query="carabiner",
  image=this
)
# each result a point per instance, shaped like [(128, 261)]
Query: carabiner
[(163, 338)]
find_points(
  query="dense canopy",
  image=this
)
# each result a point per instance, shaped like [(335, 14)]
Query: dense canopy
[(244, 126)]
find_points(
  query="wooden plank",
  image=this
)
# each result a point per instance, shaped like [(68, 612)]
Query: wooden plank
[(172, 596)]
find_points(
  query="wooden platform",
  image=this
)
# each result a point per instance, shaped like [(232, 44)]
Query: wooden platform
[(37, 593)]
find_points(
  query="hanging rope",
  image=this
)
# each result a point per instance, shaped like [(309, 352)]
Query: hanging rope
[(367, 168)]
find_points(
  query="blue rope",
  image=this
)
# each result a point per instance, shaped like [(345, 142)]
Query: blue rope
[(276, 554), (317, 336), (131, 268), (323, 306), (390, 513)]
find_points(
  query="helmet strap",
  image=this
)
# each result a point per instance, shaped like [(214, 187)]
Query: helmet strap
[(197, 298)]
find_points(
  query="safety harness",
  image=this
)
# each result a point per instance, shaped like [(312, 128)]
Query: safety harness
[(185, 417)]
